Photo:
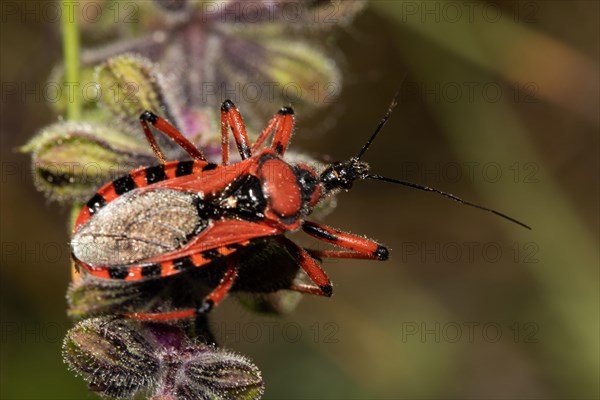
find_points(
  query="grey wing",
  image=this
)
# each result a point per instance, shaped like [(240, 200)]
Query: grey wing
[(138, 225)]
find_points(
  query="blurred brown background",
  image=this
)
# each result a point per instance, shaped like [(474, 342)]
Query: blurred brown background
[(500, 106)]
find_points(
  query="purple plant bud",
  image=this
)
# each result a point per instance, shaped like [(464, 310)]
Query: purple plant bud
[(114, 359), (218, 374), (123, 358)]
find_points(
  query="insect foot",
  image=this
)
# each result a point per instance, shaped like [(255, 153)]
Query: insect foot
[(205, 307), (382, 253)]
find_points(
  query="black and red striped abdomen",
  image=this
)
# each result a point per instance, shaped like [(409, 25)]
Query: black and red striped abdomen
[(139, 178)]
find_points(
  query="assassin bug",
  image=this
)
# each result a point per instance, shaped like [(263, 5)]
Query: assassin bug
[(178, 215)]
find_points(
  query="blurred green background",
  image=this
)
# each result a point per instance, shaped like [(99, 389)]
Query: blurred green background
[(500, 106)]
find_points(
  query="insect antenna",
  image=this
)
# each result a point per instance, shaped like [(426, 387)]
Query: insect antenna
[(380, 126), (366, 146), (360, 170), (449, 195)]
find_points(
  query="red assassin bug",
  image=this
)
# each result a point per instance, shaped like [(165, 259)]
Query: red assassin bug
[(161, 220)]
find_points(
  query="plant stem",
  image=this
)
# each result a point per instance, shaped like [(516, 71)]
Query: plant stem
[(70, 36)]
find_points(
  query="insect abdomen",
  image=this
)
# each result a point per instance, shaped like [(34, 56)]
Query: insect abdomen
[(139, 178), (163, 269)]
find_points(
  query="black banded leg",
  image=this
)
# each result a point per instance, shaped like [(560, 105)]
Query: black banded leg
[(161, 124), (146, 117), (266, 132), (283, 123), (281, 140), (219, 293), (345, 240), (312, 269), (210, 301)]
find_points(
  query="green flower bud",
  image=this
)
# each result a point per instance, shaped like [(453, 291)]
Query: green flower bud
[(131, 84), (114, 359), (71, 160), (311, 78), (275, 70)]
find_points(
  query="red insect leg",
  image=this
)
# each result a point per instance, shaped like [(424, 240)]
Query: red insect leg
[(284, 131), (224, 139), (230, 116), (283, 121), (340, 254), (360, 248), (210, 301), (265, 133), (305, 288), (312, 269), (166, 316), (345, 240), (163, 126), (215, 297)]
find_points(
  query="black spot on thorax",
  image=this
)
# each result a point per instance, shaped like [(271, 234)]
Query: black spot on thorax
[(243, 198)]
